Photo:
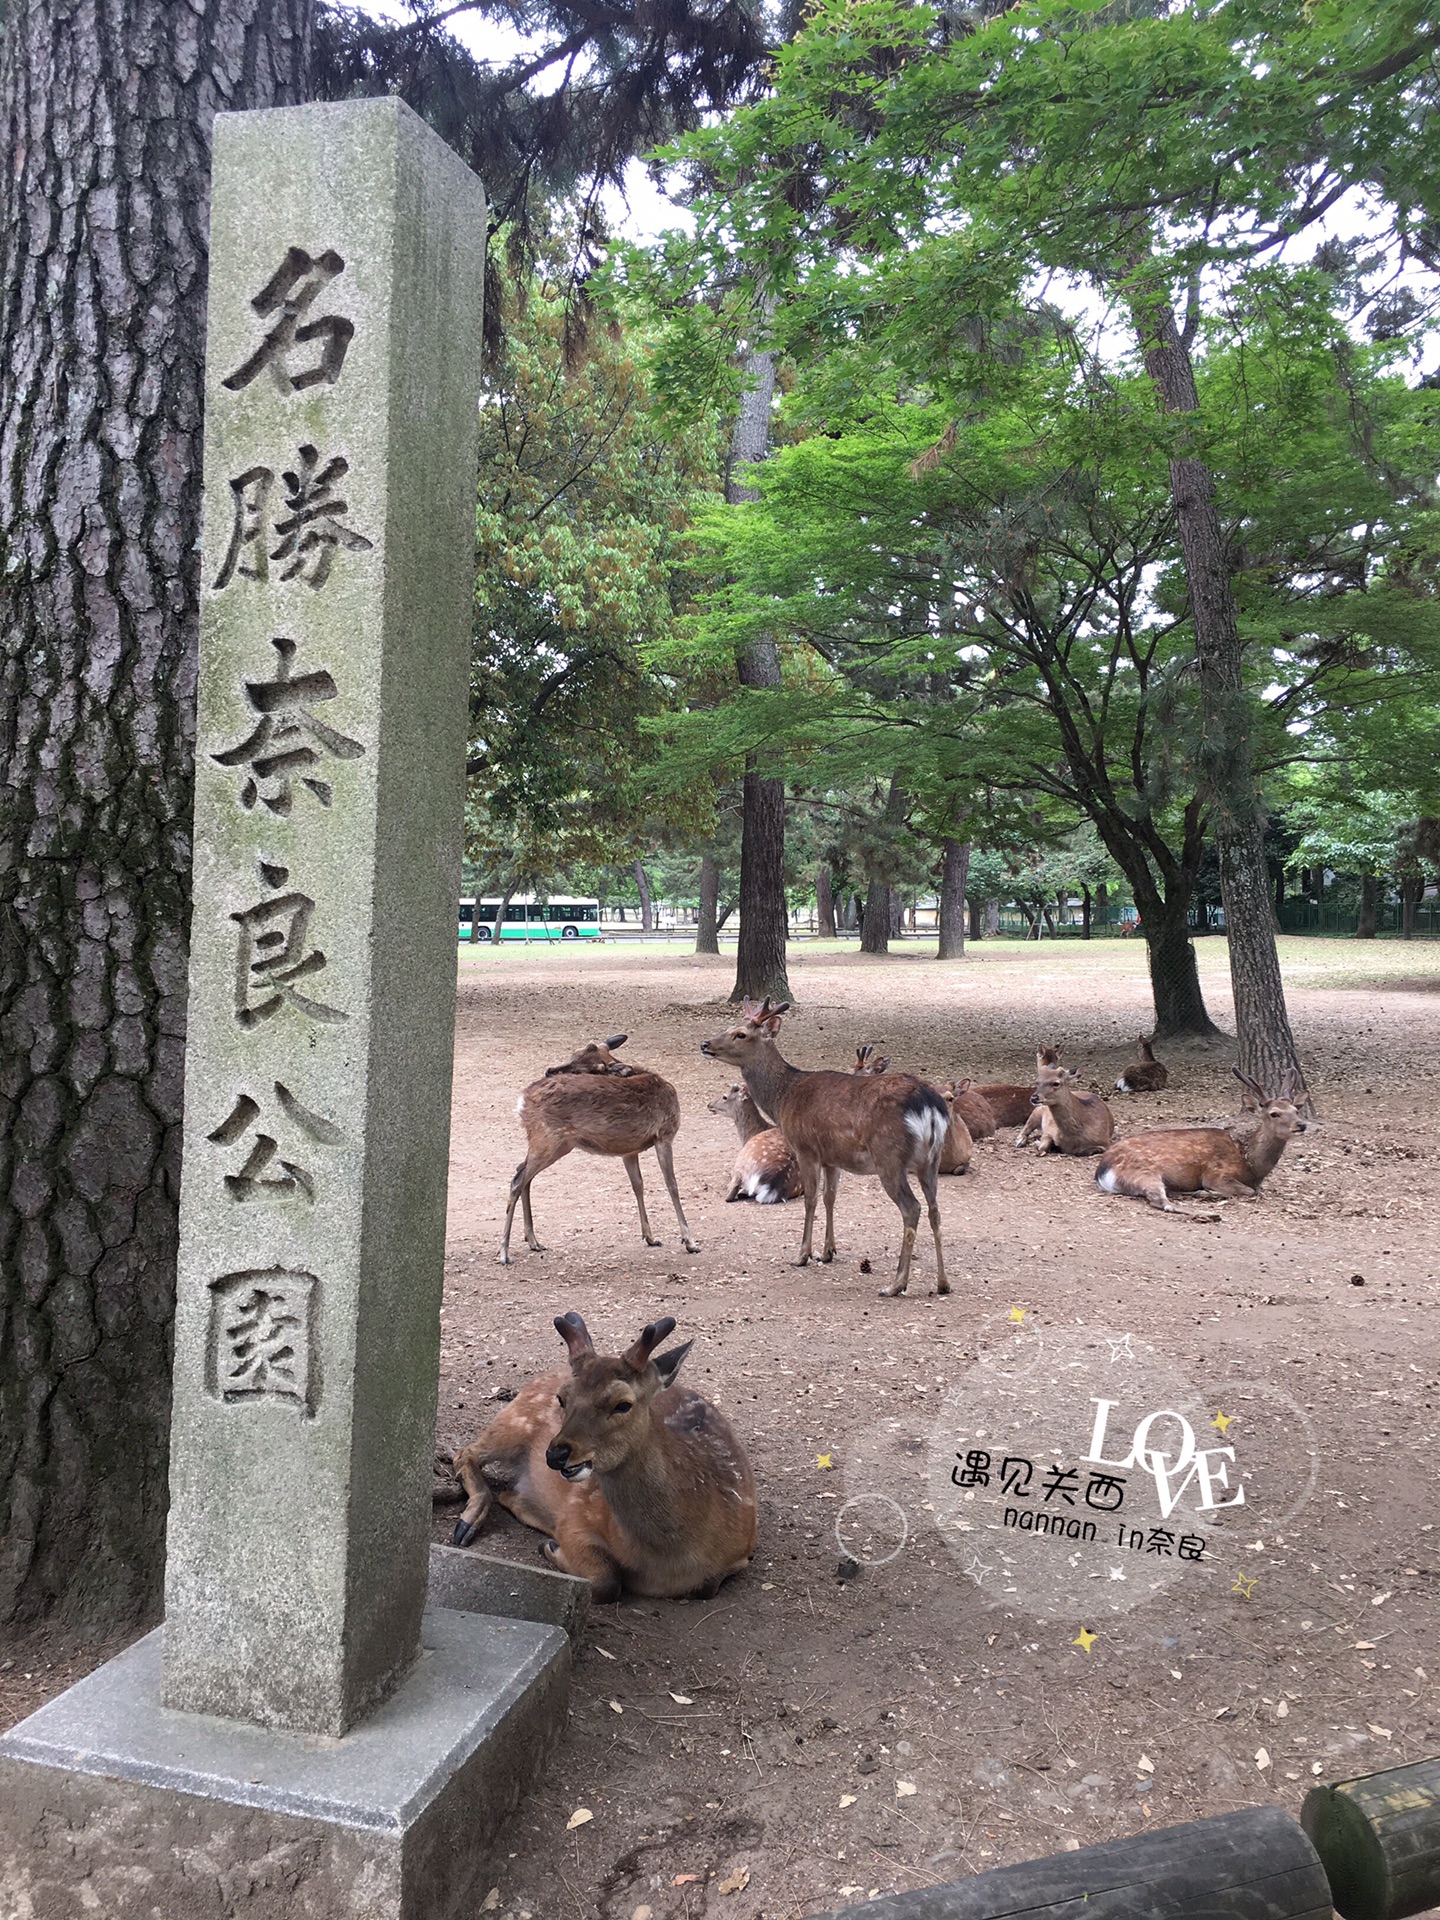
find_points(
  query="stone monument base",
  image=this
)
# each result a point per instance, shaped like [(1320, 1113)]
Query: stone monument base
[(111, 1804)]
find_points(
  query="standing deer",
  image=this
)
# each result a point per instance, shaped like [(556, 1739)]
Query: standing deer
[(640, 1484), (1151, 1166), (888, 1124), (765, 1169), (1067, 1120), (604, 1108), (1145, 1075)]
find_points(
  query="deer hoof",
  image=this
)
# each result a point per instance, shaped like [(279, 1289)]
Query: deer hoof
[(828, 1255), (505, 1260), (649, 1242), (692, 1246), (891, 1293), (466, 1532)]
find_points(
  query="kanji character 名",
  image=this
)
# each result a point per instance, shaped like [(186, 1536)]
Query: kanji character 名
[(254, 1177), (260, 1328), (271, 955), (976, 1469), (1011, 1479), (289, 739), (290, 292), (315, 526), (1099, 1488), (1062, 1480)]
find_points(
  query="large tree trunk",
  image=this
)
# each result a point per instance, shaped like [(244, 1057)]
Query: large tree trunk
[(880, 901), (1369, 907), (1267, 1046), (1174, 976), (977, 931), (1412, 892), (875, 923), (107, 108), (824, 902), (953, 877), (760, 951), (707, 928), (647, 906)]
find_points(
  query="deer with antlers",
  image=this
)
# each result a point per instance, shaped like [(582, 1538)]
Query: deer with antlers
[(887, 1124), (595, 1103), (1229, 1163), (764, 1169), (640, 1484)]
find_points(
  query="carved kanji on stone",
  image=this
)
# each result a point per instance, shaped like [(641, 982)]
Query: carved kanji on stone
[(289, 740), (260, 1325), (289, 292), (255, 1176), (274, 952), (314, 529)]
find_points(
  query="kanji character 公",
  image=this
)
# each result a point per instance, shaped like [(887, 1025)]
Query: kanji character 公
[(292, 1178)]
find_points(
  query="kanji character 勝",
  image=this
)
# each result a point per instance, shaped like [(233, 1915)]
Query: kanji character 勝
[(315, 526), (289, 739), (251, 493), (290, 292)]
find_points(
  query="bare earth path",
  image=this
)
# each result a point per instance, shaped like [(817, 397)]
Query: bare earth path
[(802, 1741)]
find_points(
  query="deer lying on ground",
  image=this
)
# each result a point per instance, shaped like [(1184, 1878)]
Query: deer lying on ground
[(640, 1484), (765, 1169), (1151, 1166), (1013, 1105), (1066, 1119), (867, 1061), (595, 1057), (1145, 1075), (888, 1124), (959, 1143), (604, 1108), (976, 1112)]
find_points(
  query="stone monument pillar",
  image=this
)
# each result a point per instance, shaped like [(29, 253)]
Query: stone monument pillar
[(300, 1729)]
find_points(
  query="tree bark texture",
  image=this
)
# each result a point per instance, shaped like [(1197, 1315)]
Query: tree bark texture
[(875, 921), (1412, 892), (1262, 1022), (1368, 920), (824, 902), (953, 876), (107, 108), (647, 905), (760, 953), (707, 926), (1085, 911), (1175, 976), (977, 930)]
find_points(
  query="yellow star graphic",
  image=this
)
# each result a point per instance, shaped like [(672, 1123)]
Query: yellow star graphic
[(1222, 1421), (1245, 1588), (1085, 1639), (823, 1460), (1017, 1313)]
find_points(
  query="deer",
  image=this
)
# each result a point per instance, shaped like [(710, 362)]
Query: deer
[(638, 1483), (604, 1108), (1220, 1160), (867, 1062), (1066, 1119), (887, 1124), (1145, 1075), (1013, 1105), (959, 1145), (596, 1056), (765, 1169), (964, 1099)]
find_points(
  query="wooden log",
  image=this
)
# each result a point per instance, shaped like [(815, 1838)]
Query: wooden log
[(1378, 1837), (1255, 1865)]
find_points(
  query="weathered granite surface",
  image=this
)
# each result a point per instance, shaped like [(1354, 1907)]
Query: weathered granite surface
[(479, 1583)]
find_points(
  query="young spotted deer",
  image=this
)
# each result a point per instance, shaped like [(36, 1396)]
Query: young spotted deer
[(639, 1483), (887, 1124), (1145, 1075), (1066, 1119), (1151, 1166), (765, 1169), (603, 1108)]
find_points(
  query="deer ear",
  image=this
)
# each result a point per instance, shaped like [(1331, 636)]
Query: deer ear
[(667, 1364), (638, 1356), (617, 1040), (574, 1332)]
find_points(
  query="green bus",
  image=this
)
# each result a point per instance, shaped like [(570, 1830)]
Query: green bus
[(529, 919)]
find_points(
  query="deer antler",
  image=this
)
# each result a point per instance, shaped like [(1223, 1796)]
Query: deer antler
[(1252, 1086), (650, 1337), (574, 1332)]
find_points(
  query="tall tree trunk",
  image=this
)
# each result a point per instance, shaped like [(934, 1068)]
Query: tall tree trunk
[(824, 902), (1102, 902), (1085, 911), (953, 876), (647, 907), (1412, 892), (107, 108), (1174, 975), (992, 919), (1266, 1044), (875, 923), (880, 900), (897, 914), (1369, 906), (977, 931), (707, 928), (760, 952)]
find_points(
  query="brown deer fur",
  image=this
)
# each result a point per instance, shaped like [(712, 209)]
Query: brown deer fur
[(596, 1057), (887, 1124), (959, 1146), (1065, 1119), (1011, 1105), (1145, 1075), (1151, 1166), (764, 1169), (601, 1112), (640, 1484), (977, 1113)]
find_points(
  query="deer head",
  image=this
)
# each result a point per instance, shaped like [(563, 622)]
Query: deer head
[(606, 1401), (730, 1102), (752, 1033), (595, 1057)]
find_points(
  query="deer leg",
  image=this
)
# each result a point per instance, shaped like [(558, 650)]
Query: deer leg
[(900, 1192), (481, 1497), (928, 1178), (832, 1187), (1036, 1115), (665, 1155), (632, 1167), (532, 1164), (810, 1176), (1232, 1190), (588, 1561)]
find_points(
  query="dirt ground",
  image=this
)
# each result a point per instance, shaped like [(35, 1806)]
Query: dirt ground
[(803, 1741)]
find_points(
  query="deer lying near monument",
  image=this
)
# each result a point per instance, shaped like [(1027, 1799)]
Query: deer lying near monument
[(1066, 1119), (764, 1169), (640, 1484), (1145, 1075), (605, 1108), (973, 1109), (1151, 1166), (887, 1124)]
